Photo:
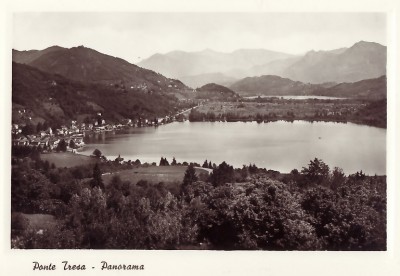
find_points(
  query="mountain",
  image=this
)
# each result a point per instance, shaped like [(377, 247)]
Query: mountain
[(364, 60), (373, 89), (270, 85), (275, 67), (87, 65), (26, 57), (56, 99), (212, 91), (200, 80), (177, 64)]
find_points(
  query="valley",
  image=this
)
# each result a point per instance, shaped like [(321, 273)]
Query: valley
[(88, 131)]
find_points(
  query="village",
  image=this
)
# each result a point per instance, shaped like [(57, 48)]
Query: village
[(71, 137)]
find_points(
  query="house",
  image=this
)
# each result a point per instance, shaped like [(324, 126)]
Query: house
[(21, 141), (49, 131), (35, 142), (99, 128), (30, 137), (53, 142), (44, 142), (15, 129), (78, 141), (127, 122)]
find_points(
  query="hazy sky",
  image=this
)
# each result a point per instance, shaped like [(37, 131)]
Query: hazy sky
[(134, 36)]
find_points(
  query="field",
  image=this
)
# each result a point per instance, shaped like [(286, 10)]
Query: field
[(299, 108), (154, 174), (67, 159), (40, 221)]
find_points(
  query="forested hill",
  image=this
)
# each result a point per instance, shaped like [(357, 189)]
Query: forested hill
[(270, 85), (371, 89), (55, 98), (87, 65), (214, 91), (366, 89)]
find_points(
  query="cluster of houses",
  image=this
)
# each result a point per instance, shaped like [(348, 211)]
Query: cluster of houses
[(47, 140)]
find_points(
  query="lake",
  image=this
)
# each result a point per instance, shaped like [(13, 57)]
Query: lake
[(297, 97), (280, 145)]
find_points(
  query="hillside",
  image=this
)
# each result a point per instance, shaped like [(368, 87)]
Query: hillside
[(177, 64), (275, 67), (272, 86), (57, 99), (26, 57), (87, 65), (214, 91), (364, 60), (373, 89)]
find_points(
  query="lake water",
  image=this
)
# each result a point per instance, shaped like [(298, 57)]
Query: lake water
[(297, 97), (280, 146)]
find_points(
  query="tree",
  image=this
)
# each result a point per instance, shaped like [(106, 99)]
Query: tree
[(29, 129), (173, 161), (164, 162), (190, 176), (338, 178), (97, 181), (72, 144), (205, 164), (35, 154), (317, 171), (97, 153), (223, 174), (62, 146), (39, 127)]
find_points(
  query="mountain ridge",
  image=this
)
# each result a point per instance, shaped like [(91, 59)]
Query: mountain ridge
[(181, 63), (88, 65), (270, 85), (57, 99)]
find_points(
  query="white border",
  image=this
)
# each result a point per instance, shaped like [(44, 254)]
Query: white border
[(19, 262)]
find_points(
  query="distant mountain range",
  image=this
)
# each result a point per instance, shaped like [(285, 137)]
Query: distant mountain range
[(202, 79), (87, 65), (363, 60), (59, 83), (268, 85), (180, 64)]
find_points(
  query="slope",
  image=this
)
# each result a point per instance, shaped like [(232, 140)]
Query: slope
[(87, 65), (57, 99)]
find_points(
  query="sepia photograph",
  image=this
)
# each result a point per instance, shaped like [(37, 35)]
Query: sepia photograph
[(178, 137), (199, 131)]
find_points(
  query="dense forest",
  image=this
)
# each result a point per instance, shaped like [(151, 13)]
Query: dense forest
[(315, 208)]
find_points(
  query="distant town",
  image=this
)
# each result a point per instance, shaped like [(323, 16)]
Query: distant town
[(71, 137)]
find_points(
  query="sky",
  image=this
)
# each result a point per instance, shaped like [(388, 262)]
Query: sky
[(135, 36)]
